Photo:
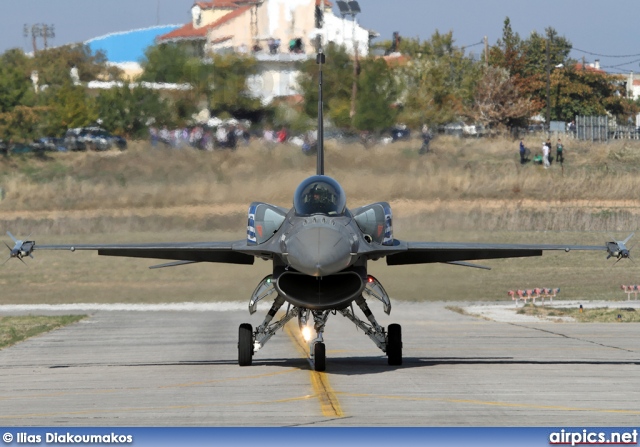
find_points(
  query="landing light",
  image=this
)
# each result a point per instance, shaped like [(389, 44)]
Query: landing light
[(306, 333)]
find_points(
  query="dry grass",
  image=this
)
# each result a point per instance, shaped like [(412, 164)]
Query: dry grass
[(458, 170), (16, 329), (596, 315), (467, 190), (470, 184)]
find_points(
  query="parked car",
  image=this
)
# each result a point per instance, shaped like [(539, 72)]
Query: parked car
[(93, 138), (461, 129), (48, 144), (400, 132), (455, 128)]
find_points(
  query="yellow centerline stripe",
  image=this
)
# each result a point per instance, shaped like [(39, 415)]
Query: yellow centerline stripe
[(329, 403)]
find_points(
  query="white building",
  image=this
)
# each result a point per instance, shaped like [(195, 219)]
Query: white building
[(278, 33)]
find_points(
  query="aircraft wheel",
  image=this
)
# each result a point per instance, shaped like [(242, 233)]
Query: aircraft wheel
[(394, 344), (319, 357), (245, 344)]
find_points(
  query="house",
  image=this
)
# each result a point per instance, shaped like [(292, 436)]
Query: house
[(633, 86), (278, 33), (591, 67)]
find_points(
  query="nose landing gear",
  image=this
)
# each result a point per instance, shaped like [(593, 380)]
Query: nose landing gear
[(317, 348)]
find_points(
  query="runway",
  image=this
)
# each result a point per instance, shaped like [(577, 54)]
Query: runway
[(173, 367)]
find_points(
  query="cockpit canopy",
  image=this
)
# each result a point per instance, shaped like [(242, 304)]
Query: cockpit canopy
[(319, 195)]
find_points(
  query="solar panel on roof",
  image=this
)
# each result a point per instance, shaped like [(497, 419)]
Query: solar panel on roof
[(354, 7), (344, 8)]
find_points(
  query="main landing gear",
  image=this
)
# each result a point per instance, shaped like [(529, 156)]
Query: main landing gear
[(250, 341)]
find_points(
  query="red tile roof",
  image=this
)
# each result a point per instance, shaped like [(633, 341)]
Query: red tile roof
[(225, 4), (239, 7), (185, 32), (590, 68), (396, 59), (188, 32), (636, 82)]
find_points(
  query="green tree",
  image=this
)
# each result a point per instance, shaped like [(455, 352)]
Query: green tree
[(438, 81), (337, 86), (54, 65), (22, 123), (168, 62), (510, 53), (585, 92), (377, 91), (229, 91), (128, 110), (69, 107), (535, 49), (16, 87)]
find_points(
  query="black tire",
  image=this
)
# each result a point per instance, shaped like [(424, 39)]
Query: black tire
[(319, 357), (394, 344), (245, 345)]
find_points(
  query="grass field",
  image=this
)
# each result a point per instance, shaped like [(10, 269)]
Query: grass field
[(16, 329), (596, 315), (467, 190)]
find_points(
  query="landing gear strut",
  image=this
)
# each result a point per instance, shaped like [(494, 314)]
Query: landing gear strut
[(317, 349), (251, 341), (389, 342)]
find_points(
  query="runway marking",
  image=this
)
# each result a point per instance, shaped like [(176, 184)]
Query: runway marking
[(329, 403), (178, 385), (220, 306), (490, 403), (154, 409), (230, 379)]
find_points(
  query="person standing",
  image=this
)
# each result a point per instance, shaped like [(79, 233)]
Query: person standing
[(426, 139), (545, 154), (523, 153), (559, 152)]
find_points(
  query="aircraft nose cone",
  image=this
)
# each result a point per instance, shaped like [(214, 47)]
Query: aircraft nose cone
[(319, 251)]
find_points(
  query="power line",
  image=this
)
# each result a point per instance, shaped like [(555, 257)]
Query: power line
[(472, 45), (606, 55), (621, 65)]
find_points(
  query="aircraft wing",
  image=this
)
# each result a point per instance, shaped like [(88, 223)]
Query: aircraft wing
[(225, 252), (428, 252)]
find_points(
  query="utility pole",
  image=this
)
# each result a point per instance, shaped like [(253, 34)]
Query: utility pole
[(354, 89), (37, 30), (548, 123), (486, 51)]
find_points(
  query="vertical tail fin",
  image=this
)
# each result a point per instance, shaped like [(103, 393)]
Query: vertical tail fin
[(320, 60)]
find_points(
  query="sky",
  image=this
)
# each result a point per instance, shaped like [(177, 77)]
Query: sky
[(593, 26)]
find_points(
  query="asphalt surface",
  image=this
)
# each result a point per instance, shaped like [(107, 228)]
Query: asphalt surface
[(178, 368)]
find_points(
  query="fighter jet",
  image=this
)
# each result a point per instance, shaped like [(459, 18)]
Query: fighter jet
[(320, 250)]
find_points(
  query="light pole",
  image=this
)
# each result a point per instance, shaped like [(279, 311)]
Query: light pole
[(352, 8), (39, 30), (548, 117)]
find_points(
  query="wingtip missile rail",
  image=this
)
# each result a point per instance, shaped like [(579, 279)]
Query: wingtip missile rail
[(20, 249)]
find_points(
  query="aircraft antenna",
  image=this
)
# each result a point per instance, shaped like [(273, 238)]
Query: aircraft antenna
[(320, 60)]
